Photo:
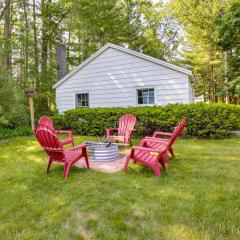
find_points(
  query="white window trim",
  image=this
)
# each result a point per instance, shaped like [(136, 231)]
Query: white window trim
[(83, 92), (142, 88)]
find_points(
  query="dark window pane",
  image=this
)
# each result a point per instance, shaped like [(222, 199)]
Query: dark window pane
[(145, 96), (140, 101), (82, 100), (139, 93)]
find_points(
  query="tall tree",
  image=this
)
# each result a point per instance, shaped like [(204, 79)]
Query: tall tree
[(35, 45), (200, 49), (6, 35), (229, 41)]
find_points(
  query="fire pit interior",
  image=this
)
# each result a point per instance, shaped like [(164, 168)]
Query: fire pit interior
[(102, 152)]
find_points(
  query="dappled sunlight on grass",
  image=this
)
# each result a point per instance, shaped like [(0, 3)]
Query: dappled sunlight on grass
[(6, 156), (195, 147), (32, 157), (180, 231), (231, 158), (31, 148)]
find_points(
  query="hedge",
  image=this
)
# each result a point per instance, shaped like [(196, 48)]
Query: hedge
[(204, 120)]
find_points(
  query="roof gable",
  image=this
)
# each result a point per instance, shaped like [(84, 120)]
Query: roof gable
[(126, 50)]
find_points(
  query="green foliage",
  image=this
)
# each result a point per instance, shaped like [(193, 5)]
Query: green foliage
[(204, 120), (13, 106), (200, 51), (18, 131), (229, 41)]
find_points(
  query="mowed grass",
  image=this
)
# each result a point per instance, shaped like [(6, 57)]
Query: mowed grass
[(198, 197)]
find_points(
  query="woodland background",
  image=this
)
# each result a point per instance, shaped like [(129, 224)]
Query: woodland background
[(202, 35)]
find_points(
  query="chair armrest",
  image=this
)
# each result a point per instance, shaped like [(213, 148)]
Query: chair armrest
[(148, 149), (81, 146), (154, 140), (157, 139), (155, 134), (130, 131), (109, 130), (68, 132), (133, 129), (112, 129)]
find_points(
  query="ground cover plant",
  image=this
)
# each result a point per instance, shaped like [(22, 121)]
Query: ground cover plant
[(197, 198)]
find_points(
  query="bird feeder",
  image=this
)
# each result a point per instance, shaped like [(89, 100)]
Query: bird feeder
[(30, 93)]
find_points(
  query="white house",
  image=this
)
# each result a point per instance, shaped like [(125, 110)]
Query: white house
[(118, 77)]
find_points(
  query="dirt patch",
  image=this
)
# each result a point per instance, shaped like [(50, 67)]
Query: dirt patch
[(84, 233)]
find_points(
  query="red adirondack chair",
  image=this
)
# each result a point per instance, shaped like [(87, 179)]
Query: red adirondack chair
[(155, 141), (44, 120), (145, 153), (48, 139), (148, 157), (124, 131)]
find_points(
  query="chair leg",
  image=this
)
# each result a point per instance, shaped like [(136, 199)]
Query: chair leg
[(66, 170), (161, 160), (87, 162), (85, 155), (127, 162), (130, 142), (157, 171), (166, 158), (73, 143), (49, 165), (171, 151)]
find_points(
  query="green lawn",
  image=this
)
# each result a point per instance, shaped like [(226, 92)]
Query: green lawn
[(198, 197)]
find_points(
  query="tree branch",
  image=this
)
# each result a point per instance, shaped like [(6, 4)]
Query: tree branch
[(4, 9)]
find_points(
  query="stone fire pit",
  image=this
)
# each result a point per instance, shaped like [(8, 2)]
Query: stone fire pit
[(102, 152)]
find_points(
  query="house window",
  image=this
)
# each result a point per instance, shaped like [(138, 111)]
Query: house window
[(145, 96), (82, 100)]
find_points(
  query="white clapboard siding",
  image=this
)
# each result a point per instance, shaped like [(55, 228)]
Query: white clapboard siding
[(112, 80)]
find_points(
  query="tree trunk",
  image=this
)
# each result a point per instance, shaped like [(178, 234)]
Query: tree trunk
[(227, 100), (26, 44), (44, 53), (36, 62), (213, 83), (6, 36)]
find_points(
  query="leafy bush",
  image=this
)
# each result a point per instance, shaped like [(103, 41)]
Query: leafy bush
[(18, 131), (13, 105), (204, 120)]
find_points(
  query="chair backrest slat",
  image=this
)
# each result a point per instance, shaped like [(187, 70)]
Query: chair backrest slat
[(177, 132), (44, 120), (126, 122), (48, 139)]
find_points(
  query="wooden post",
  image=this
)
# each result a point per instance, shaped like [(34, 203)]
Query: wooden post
[(31, 112), (30, 92)]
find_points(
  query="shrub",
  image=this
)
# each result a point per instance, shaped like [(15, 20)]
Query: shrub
[(18, 131), (13, 105), (204, 120)]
